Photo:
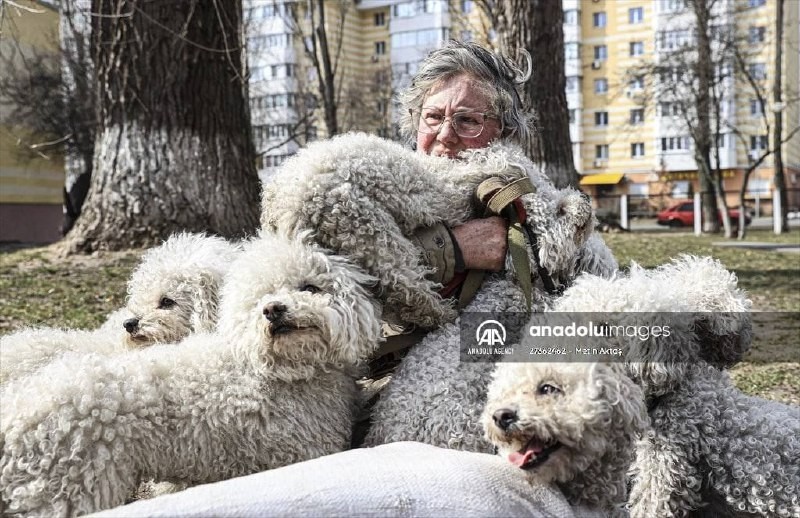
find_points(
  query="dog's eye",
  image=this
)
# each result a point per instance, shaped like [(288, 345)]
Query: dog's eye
[(545, 389), (165, 303), (310, 288)]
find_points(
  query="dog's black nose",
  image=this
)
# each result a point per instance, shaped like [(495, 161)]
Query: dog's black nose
[(504, 418), (274, 311), (131, 325)]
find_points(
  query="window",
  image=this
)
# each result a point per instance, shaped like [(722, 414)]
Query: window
[(675, 143), (573, 116), (757, 71), (756, 107), (466, 6), (671, 6), (601, 118), (466, 36), (636, 48), (637, 116), (572, 50), (721, 141), (756, 3), (637, 149), (759, 142), (682, 189), (601, 85), (380, 48), (572, 17), (600, 52), (758, 186), (756, 34), (601, 152), (639, 189), (637, 83), (380, 18), (422, 38), (573, 84), (636, 15), (599, 19), (667, 109), (673, 40)]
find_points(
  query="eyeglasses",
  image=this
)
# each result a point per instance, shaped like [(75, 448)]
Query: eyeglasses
[(465, 124)]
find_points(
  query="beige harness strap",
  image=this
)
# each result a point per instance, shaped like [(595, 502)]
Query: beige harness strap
[(501, 197)]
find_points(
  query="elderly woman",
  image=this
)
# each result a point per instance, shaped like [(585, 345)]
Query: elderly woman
[(464, 97)]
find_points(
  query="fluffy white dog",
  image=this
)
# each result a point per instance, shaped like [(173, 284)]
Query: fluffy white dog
[(712, 451), (570, 424), (363, 197), (271, 387), (173, 292)]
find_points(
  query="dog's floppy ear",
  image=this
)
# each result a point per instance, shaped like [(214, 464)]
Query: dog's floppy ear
[(724, 338), (205, 291), (629, 408), (357, 341)]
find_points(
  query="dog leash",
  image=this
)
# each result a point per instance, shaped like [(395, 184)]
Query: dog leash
[(504, 199)]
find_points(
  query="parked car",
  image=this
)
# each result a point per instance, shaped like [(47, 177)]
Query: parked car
[(682, 215)]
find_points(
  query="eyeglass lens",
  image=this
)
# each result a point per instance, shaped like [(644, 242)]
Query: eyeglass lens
[(465, 124)]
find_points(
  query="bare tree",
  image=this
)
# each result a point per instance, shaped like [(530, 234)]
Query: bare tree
[(697, 76), (777, 98), (323, 51), (173, 148), (536, 26), (758, 156)]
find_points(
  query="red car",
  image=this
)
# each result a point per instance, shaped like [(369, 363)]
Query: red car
[(682, 215)]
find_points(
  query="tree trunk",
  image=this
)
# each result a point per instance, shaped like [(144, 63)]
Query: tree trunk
[(79, 94), (536, 25), (173, 148), (780, 179), (326, 75), (704, 72)]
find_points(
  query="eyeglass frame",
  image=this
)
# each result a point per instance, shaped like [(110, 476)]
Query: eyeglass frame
[(486, 115)]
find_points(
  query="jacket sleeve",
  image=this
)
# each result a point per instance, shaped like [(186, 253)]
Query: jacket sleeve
[(440, 251)]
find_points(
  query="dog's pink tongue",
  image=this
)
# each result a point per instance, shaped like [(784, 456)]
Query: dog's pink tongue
[(520, 458)]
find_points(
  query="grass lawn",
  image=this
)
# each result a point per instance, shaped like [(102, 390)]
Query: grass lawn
[(37, 287)]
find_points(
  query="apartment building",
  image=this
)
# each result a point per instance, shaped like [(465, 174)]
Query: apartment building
[(30, 186), (627, 138), (632, 138)]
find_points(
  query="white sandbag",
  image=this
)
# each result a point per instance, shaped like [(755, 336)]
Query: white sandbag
[(393, 480)]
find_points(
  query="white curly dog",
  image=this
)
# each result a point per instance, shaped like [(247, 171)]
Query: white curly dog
[(569, 424), (712, 450), (173, 292), (273, 386), (364, 196)]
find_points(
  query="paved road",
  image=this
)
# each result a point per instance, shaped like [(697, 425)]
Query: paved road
[(649, 224)]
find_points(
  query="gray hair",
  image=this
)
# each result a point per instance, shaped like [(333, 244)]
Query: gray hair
[(499, 74)]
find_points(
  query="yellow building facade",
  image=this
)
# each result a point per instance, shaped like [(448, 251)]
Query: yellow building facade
[(30, 188)]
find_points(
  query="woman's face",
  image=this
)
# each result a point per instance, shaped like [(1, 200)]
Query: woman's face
[(458, 94)]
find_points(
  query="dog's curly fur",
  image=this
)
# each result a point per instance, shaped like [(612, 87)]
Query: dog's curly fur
[(591, 414), (187, 269), (273, 386), (364, 196), (437, 399), (711, 451)]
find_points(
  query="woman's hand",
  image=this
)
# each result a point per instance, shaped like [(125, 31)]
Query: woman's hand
[(483, 243)]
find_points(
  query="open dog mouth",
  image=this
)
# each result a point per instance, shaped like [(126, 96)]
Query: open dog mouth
[(282, 328), (534, 453)]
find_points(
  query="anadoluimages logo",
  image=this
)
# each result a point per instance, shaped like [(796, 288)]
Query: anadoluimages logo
[(491, 333)]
